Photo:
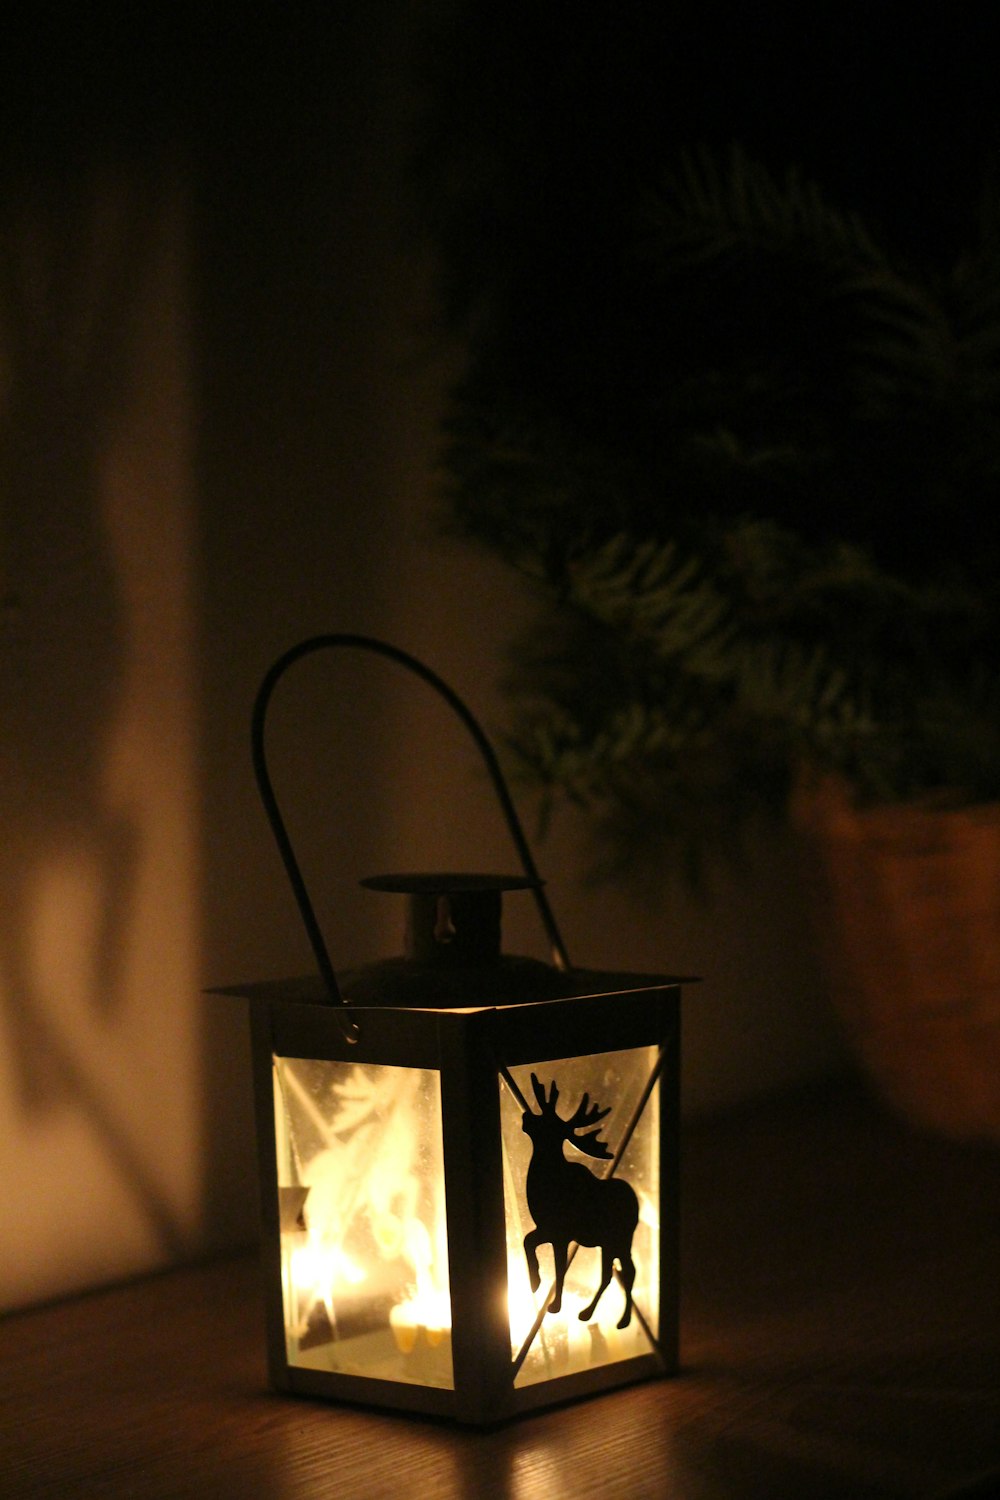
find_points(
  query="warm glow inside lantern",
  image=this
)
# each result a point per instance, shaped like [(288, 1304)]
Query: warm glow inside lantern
[(468, 1160)]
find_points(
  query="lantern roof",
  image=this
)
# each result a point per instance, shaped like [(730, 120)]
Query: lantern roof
[(401, 983), (448, 883)]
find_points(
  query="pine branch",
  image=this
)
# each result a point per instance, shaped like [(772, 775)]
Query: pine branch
[(706, 208), (747, 504), (646, 594)]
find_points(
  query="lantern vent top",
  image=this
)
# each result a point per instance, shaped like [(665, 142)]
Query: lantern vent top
[(452, 919)]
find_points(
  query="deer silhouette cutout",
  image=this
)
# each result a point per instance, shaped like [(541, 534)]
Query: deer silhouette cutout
[(570, 1204)]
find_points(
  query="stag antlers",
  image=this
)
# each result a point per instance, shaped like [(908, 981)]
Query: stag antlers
[(583, 1119)]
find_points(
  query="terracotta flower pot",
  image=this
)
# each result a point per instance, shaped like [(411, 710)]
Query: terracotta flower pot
[(907, 901)]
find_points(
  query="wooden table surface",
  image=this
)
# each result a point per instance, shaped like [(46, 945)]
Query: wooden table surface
[(840, 1338)]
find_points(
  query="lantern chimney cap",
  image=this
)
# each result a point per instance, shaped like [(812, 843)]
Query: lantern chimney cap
[(453, 918)]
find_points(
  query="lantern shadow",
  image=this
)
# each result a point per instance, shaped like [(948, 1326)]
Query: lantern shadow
[(75, 251)]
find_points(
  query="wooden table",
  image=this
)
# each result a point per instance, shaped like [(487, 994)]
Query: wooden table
[(841, 1338)]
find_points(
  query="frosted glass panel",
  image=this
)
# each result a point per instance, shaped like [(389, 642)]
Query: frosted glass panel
[(545, 1344), (364, 1260)]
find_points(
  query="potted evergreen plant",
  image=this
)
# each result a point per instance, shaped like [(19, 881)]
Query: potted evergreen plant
[(754, 479)]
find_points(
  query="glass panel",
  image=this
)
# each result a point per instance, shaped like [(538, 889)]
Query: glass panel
[(607, 1218), (364, 1258)]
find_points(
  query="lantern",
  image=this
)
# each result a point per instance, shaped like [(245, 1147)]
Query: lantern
[(468, 1160)]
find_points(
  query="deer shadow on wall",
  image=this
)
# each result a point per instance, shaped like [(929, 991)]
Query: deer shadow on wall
[(73, 253)]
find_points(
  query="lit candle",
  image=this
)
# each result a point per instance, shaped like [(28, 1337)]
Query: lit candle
[(429, 1313)]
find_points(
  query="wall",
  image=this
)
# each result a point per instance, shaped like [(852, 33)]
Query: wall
[(245, 457), (101, 1047)]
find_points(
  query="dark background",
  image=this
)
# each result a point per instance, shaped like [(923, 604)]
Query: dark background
[(895, 113)]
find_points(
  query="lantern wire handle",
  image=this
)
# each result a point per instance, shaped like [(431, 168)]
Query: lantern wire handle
[(268, 798)]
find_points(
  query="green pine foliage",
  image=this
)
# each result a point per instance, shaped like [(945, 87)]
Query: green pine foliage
[(756, 490)]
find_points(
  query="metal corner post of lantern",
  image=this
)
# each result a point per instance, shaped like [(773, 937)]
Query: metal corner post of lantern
[(468, 1159)]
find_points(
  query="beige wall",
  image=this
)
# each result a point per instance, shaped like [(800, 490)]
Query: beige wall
[(100, 1036), (260, 469)]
